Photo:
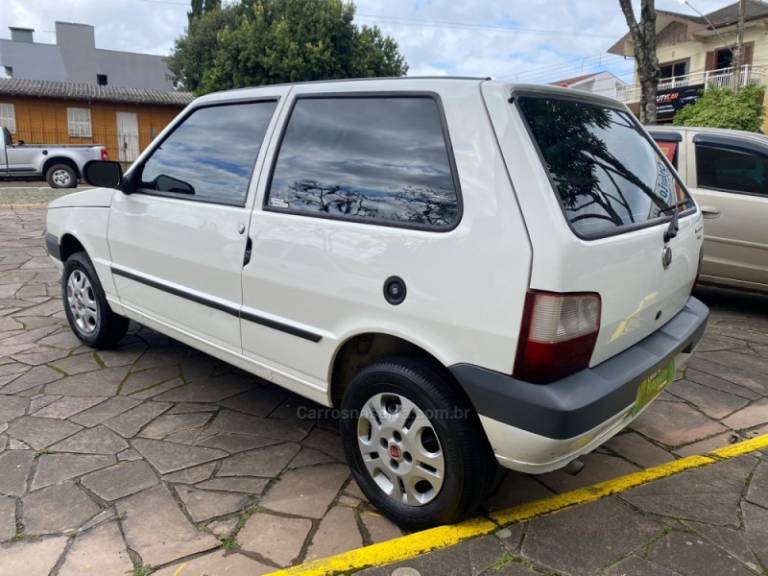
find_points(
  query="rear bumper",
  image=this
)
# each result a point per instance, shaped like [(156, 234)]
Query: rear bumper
[(536, 428)]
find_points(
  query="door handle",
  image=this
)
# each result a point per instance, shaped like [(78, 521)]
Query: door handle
[(240, 228), (710, 212), (248, 249)]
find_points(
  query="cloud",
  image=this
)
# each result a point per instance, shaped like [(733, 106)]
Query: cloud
[(573, 34)]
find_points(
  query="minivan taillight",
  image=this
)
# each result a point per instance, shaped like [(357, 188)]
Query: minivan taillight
[(103, 154), (557, 335)]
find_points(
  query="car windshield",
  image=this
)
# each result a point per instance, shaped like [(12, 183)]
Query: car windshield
[(607, 174)]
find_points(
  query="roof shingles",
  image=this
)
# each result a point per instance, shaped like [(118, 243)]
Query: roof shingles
[(92, 92)]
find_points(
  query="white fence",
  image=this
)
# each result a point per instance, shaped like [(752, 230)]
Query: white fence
[(722, 78)]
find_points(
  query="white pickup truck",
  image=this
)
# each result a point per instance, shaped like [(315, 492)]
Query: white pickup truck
[(61, 165)]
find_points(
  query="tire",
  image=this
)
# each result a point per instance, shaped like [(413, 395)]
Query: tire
[(61, 176), (86, 307), (445, 425)]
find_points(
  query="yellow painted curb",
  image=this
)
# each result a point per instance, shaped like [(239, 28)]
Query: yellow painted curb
[(426, 541)]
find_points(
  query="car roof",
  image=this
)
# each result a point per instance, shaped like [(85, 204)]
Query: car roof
[(661, 128), (405, 83)]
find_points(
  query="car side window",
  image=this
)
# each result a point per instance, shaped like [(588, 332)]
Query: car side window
[(382, 160), (210, 155), (731, 170)]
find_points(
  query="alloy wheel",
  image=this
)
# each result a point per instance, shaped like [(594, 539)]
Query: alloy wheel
[(400, 449)]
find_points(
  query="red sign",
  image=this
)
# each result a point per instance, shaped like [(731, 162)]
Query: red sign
[(670, 151)]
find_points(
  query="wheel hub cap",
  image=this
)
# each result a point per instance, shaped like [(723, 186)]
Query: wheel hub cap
[(400, 449), (82, 302), (61, 177)]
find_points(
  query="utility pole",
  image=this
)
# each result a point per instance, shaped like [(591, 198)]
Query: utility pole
[(739, 59)]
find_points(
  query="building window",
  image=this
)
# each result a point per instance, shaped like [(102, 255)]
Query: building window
[(723, 59), (673, 69), (8, 117), (79, 122), (101, 79), (8, 71)]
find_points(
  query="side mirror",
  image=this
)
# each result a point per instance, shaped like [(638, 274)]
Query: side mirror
[(103, 173)]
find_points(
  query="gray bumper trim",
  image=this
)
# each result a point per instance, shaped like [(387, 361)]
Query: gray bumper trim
[(52, 246), (581, 401)]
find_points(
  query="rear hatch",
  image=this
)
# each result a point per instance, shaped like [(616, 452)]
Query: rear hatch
[(597, 198)]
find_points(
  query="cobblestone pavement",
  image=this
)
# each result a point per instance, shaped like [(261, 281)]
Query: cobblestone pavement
[(157, 455)]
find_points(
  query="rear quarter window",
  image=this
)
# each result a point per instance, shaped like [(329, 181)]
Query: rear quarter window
[(381, 160), (606, 173)]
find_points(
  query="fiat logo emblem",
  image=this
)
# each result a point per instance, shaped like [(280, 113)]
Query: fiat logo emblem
[(394, 452), (666, 257)]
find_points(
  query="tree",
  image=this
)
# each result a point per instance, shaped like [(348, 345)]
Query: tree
[(643, 35), (722, 108), (196, 51), (255, 42), (200, 7)]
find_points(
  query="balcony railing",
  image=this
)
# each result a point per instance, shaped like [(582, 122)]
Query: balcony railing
[(722, 78)]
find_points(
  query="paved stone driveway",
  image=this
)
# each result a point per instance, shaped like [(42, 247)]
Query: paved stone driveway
[(157, 455), (712, 521)]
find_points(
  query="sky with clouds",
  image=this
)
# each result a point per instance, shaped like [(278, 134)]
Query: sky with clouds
[(526, 40)]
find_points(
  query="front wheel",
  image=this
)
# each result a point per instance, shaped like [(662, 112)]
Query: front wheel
[(414, 444), (86, 307)]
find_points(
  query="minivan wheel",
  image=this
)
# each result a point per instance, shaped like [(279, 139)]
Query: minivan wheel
[(414, 445), (86, 307)]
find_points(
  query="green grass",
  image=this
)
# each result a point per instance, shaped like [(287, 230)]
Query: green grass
[(502, 561), (35, 194), (142, 570), (228, 543)]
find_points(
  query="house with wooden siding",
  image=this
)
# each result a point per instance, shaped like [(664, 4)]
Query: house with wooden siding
[(696, 53), (123, 119)]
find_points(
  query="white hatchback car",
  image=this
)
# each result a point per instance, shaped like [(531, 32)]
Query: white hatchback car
[(467, 269)]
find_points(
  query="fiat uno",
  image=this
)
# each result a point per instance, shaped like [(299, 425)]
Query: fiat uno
[(471, 272)]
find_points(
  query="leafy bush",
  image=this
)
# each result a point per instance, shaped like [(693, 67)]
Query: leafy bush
[(721, 108)]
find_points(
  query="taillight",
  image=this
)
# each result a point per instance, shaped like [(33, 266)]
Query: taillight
[(103, 154), (557, 335)]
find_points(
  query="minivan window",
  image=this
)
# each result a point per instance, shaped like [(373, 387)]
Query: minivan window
[(210, 155), (731, 170), (377, 159), (608, 176)]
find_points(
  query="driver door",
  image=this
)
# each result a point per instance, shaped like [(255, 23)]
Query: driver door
[(178, 242)]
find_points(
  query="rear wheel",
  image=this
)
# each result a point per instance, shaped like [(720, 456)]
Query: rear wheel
[(61, 176), (414, 444), (86, 307)]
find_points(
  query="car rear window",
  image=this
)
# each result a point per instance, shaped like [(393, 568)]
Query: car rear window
[(608, 176)]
